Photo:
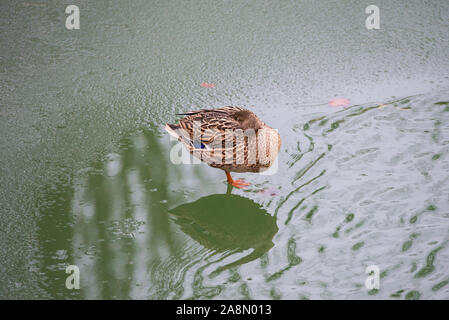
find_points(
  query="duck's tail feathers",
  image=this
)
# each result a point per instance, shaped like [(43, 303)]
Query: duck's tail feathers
[(171, 129)]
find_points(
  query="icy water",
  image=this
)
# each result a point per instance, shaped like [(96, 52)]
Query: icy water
[(86, 177)]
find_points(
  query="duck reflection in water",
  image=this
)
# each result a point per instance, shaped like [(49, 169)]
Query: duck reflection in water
[(229, 224)]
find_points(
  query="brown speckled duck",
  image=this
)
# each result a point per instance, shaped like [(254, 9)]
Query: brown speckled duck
[(228, 138)]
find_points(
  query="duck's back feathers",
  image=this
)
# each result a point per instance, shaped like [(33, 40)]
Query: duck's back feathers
[(223, 111)]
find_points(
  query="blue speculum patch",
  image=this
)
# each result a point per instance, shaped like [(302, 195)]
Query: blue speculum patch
[(199, 145)]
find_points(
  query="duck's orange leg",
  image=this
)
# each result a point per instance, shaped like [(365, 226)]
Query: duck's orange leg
[(236, 183)]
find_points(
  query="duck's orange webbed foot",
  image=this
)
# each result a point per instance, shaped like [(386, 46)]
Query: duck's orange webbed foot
[(239, 184), (236, 183)]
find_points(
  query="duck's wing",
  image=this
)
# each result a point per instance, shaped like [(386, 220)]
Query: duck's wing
[(204, 132), (210, 123)]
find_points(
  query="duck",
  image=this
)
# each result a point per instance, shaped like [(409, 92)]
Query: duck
[(229, 138)]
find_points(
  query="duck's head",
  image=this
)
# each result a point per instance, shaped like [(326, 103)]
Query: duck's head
[(248, 120)]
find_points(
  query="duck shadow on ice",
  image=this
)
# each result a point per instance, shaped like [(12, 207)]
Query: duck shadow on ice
[(229, 224)]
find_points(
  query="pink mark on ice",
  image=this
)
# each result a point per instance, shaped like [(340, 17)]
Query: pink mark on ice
[(207, 85), (269, 192), (339, 102)]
